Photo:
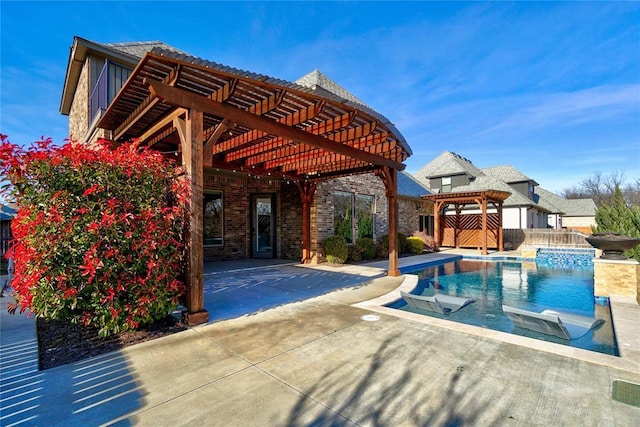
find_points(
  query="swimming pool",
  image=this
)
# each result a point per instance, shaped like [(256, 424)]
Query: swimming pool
[(524, 285)]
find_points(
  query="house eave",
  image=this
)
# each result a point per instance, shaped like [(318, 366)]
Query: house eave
[(78, 53)]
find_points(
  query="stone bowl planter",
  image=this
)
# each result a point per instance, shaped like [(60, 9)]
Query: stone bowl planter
[(612, 244)]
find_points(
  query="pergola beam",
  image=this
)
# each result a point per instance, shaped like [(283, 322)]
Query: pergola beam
[(375, 144), (146, 106), (182, 98), (250, 138), (166, 120)]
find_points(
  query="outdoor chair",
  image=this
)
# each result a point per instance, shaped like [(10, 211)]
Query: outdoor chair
[(440, 303), (550, 322)]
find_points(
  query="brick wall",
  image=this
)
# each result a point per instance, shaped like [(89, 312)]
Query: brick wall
[(237, 191), (367, 184), (409, 211)]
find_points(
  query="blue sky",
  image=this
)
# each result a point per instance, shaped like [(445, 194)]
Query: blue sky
[(550, 88)]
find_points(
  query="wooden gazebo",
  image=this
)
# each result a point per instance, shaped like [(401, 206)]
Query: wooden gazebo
[(470, 230), (224, 118)]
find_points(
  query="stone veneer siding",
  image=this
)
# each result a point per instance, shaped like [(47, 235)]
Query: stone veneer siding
[(79, 120), (613, 277), (79, 112)]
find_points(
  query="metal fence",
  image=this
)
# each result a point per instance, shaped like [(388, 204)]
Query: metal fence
[(542, 237)]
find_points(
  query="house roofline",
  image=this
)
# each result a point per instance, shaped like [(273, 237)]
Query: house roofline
[(77, 55)]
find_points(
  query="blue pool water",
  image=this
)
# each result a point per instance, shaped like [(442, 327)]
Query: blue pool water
[(527, 285)]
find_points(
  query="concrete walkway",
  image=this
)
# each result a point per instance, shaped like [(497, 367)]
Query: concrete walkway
[(311, 361)]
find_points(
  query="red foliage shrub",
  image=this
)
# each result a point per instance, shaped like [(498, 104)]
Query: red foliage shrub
[(99, 232)]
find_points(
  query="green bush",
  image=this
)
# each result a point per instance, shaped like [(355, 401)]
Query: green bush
[(403, 247), (381, 251), (336, 249), (355, 253), (368, 247), (416, 245), (618, 217), (401, 244)]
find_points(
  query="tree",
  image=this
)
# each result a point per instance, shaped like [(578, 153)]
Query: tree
[(601, 188), (619, 217)]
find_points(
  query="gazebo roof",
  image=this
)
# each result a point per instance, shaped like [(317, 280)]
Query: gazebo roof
[(253, 123), (468, 197)]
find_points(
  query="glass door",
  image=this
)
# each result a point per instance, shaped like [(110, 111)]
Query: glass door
[(263, 226)]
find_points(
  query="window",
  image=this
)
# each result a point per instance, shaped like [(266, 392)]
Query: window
[(426, 224), (110, 79), (366, 215), (343, 215), (213, 219), (446, 185)]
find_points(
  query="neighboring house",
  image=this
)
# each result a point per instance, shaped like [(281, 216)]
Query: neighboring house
[(280, 165), (573, 214), (7, 213), (528, 206)]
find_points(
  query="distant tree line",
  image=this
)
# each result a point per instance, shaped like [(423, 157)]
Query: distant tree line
[(601, 188)]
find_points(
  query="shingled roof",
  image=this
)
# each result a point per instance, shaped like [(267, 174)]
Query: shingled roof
[(319, 82), (569, 207), (138, 49), (446, 164), (409, 186), (484, 182), (507, 173)]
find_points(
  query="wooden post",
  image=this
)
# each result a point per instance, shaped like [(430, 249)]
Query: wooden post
[(436, 225), (307, 190), (483, 237), (456, 232), (500, 231), (193, 161), (389, 177)]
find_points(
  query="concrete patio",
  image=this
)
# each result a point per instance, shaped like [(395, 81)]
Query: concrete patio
[(308, 357)]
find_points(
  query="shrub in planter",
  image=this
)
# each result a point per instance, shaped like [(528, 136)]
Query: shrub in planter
[(99, 232), (368, 247), (416, 245), (336, 249)]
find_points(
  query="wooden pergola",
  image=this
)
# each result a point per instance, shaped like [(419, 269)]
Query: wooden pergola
[(220, 117), (475, 237)]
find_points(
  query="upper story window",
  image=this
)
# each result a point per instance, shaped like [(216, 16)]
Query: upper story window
[(446, 184), (110, 79)]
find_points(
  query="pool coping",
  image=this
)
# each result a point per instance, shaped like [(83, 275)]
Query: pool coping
[(624, 313)]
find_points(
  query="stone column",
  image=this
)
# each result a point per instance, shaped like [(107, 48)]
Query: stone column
[(613, 277)]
